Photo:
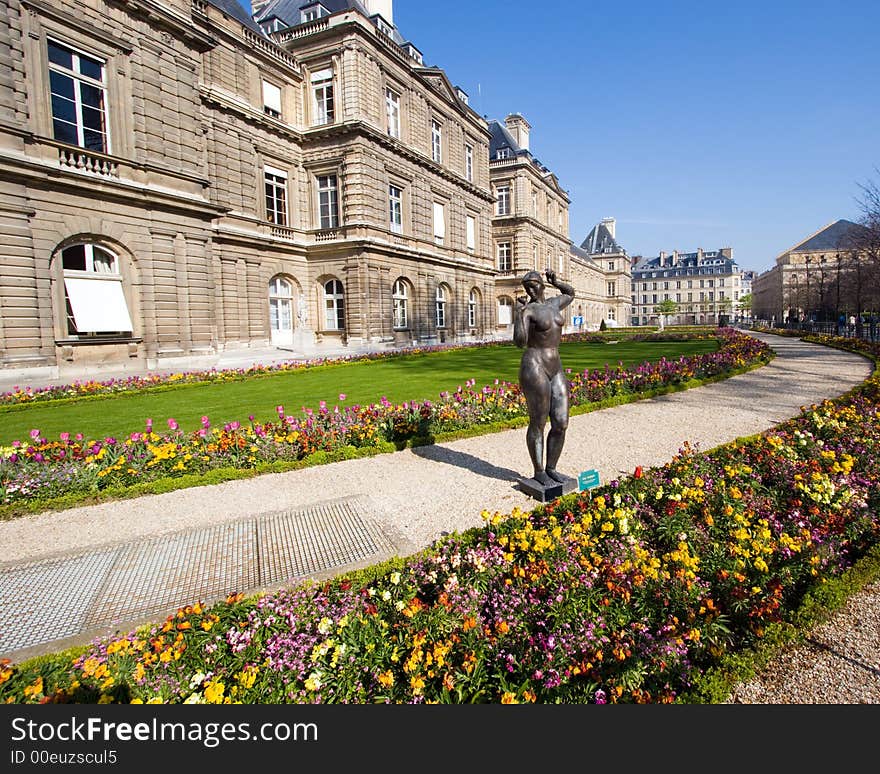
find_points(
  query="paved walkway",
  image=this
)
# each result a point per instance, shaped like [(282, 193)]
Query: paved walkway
[(72, 575)]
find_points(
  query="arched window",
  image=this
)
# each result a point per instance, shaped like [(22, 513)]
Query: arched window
[(472, 309), (400, 300), (93, 295), (505, 311), (281, 310), (334, 306), (441, 306)]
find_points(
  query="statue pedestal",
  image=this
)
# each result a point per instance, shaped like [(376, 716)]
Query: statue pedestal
[(545, 494)]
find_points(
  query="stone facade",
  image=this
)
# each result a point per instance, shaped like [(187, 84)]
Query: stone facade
[(705, 285), (205, 187)]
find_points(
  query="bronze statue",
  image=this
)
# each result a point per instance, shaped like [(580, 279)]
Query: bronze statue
[(537, 326)]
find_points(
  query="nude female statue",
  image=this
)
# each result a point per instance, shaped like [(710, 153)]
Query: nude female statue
[(537, 326)]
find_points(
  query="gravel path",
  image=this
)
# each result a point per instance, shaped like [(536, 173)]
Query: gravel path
[(418, 494)]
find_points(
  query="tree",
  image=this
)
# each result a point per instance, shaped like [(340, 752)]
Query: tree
[(665, 309), (745, 305)]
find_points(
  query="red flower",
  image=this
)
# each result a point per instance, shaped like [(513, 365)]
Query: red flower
[(638, 472)]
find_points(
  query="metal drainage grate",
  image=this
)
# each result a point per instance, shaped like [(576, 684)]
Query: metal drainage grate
[(51, 599)]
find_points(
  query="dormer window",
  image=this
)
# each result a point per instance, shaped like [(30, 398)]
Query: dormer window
[(312, 13), (503, 153), (413, 53), (272, 24), (384, 26), (462, 95)]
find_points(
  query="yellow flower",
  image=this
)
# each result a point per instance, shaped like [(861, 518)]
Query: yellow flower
[(509, 698), (214, 692), (386, 679)]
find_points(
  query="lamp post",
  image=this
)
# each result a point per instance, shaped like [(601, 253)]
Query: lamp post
[(807, 307), (837, 294)]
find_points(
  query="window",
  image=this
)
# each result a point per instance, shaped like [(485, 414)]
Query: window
[(505, 311), (328, 201), (503, 153), (322, 92), (79, 98), (472, 309), (392, 112), (395, 209), (312, 13), (276, 195), (469, 163), (611, 289), (505, 257), (436, 141), (610, 265), (502, 193), (471, 232), (271, 100), (441, 306), (93, 295), (281, 310), (400, 300), (334, 306), (439, 223)]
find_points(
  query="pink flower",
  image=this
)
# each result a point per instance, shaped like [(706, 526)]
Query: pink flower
[(172, 423), (65, 437), (35, 434), (280, 410), (341, 396), (206, 422)]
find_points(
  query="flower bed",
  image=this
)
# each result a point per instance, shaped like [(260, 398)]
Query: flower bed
[(42, 468), (625, 594)]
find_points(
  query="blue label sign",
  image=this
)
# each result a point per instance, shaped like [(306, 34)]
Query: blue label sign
[(588, 479), (577, 321)]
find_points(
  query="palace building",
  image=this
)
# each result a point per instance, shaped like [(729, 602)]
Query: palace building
[(181, 178)]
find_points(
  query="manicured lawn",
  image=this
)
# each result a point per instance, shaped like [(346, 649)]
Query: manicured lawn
[(415, 377)]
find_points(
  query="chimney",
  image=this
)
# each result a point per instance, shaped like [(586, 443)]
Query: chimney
[(610, 224), (382, 7), (662, 258), (519, 128)]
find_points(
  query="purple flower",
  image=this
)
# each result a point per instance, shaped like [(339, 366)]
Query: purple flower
[(600, 697), (35, 434)]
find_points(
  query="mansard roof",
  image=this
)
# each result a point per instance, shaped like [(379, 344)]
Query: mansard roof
[(501, 138), (600, 240), (289, 12), (716, 259), (234, 9)]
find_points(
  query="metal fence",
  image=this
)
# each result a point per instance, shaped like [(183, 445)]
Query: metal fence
[(866, 328)]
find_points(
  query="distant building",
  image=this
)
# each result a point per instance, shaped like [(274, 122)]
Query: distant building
[(601, 270), (811, 281), (705, 285)]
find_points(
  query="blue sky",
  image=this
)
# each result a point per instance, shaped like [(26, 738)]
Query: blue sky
[(747, 125)]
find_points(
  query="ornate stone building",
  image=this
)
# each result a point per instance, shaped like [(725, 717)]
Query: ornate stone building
[(705, 286), (180, 178)]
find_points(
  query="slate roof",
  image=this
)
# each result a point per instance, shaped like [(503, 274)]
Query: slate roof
[(599, 240), (711, 258), (832, 237), (288, 11), (234, 9)]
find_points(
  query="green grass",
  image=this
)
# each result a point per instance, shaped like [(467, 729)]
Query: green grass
[(411, 377)]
